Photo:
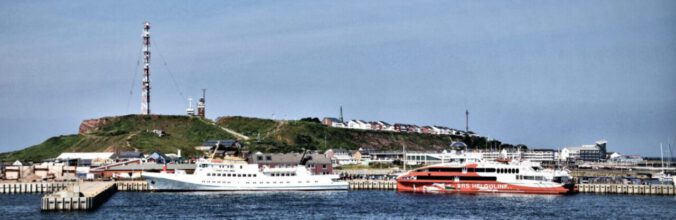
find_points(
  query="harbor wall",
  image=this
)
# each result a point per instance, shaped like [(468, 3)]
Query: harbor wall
[(627, 189), (40, 187)]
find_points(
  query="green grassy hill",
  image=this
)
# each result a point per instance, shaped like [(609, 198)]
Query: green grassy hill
[(283, 136), (134, 132), (128, 133)]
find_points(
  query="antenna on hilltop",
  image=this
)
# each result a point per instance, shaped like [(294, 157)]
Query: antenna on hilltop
[(145, 92), (341, 114), (201, 105), (466, 120), (190, 110)]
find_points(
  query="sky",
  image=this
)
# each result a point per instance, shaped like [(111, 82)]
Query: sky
[(548, 74)]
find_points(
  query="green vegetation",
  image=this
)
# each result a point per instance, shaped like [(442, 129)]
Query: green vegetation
[(135, 132), (129, 133), (286, 136), (49, 148)]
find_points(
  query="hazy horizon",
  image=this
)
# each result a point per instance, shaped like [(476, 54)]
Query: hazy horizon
[(547, 74)]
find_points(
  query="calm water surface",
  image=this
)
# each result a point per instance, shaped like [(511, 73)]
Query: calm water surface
[(356, 204)]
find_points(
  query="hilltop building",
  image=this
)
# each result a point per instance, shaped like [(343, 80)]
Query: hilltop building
[(333, 122), (359, 124)]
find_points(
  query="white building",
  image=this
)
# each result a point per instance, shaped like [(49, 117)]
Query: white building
[(333, 122), (536, 155), (359, 124), (589, 152), (340, 157), (436, 130), (87, 158), (386, 126), (418, 158)]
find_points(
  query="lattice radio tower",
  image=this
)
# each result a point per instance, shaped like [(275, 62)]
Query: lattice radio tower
[(145, 92)]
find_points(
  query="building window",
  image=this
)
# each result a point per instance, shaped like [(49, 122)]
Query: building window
[(268, 157)]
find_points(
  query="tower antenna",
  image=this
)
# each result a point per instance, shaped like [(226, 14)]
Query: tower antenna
[(466, 120), (341, 114), (201, 105), (145, 92)]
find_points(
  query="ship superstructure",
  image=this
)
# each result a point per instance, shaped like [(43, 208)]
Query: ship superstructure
[(234, 174), (510, 176)]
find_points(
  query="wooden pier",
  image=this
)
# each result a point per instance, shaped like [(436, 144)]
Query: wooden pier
[(372, 185), (627, 189), (80, 196), (39, 187)]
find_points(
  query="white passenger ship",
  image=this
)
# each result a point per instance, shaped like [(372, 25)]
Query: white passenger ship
[(235, 174)]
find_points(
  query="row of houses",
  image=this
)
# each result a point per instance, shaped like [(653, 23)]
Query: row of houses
[(588, 153), (96, 159), (342, 157), (397, 127)]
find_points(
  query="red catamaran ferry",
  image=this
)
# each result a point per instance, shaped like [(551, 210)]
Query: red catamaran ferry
[(486, 176)]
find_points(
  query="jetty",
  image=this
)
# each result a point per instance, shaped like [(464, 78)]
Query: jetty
[(79, 196)]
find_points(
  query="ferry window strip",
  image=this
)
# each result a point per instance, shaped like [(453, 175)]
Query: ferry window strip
[(462, 178), (459, 169)]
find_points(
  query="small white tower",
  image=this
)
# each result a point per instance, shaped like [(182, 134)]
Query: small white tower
[(190, 110)]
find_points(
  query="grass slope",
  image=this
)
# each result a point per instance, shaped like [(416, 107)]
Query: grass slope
[(283, 136), (128, 133)]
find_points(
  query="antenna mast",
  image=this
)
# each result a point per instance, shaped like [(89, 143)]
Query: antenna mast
[(466, 120), (145, 92), (201, 105)]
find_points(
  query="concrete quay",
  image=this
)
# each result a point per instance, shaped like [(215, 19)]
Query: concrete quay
[(80, 196), (372, 185), (627, 189), (132, 186), (37, 187)]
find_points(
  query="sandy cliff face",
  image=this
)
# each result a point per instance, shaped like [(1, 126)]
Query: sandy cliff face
[(92, 125)]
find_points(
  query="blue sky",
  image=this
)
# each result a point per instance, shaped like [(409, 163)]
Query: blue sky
[(546, 74)]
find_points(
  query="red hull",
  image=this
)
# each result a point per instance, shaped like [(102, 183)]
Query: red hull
[(474, 187)]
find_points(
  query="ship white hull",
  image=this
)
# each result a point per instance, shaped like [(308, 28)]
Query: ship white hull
[(188, 182)]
